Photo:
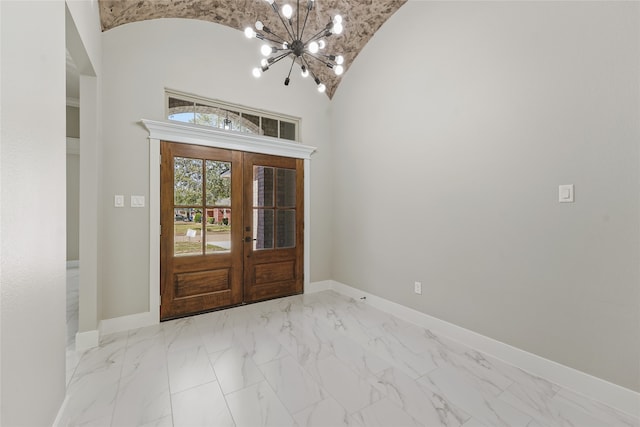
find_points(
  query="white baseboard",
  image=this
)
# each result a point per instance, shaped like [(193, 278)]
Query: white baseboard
[(606, 392), (73, 264), (125, 323), (314, 287), (87, 340)]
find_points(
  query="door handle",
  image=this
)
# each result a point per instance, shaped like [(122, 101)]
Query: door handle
[(247, 239)]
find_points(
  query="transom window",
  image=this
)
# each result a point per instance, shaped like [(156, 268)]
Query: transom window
[(208, 112)]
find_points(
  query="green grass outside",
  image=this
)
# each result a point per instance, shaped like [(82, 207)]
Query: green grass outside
[(185, 248), (181, 228)]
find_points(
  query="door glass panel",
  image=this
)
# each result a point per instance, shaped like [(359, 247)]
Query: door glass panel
[(286, 191), (218, 230), (187, 181), (187, 232), (262, 229), (286, 228), (218, 183), (262, 186)]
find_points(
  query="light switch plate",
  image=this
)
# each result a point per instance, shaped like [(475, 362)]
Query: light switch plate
[(565, 193), (137, 201), (118, 201)]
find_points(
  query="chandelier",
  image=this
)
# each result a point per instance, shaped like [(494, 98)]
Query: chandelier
[(302, 50)]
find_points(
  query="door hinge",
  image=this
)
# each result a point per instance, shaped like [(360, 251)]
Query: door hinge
[(161, 229), (160, 158)]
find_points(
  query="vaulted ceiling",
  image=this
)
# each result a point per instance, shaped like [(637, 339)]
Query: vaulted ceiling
[(361, 19)]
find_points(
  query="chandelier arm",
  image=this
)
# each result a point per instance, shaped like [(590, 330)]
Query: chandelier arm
[(313, 75), (280, 41), (276, 42), (304, 63), (280, 57), (291, 68), (330, 59), (277, 11), (298, 19), (293, 31), (318, 35), (305, 22), (327, 63)]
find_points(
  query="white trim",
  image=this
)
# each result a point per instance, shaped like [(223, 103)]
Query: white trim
[(324, 285), (73, 264), (154, 228), (126, 323), (307, 226), (618, 397), (86, 340), (212, 137)]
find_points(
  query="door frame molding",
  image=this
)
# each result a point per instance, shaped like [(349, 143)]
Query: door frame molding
[(218, 138)]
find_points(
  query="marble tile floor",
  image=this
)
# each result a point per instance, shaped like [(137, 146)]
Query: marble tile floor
[(320, 359)]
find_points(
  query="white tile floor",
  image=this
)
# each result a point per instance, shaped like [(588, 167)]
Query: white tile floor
[(310, 360)]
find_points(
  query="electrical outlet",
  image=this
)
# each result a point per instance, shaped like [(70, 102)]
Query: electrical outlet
[(417, 288)]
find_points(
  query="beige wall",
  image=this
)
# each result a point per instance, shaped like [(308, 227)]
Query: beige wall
[(73, 186), (140, 61), (84, 43), (73, 122), (451, 133), (73, 207), (32, 181)]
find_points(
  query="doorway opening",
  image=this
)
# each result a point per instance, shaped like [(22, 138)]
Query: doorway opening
[(232, 228)]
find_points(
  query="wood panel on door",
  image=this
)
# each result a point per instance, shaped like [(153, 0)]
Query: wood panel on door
[(274, 226), (201, 219)]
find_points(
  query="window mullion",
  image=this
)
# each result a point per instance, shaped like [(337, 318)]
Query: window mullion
[(177, 102)]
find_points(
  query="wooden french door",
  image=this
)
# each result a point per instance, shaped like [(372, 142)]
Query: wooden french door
[(274, 226), (232, 228)]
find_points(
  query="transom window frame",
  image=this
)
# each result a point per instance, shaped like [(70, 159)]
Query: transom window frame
[(214, 106)]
